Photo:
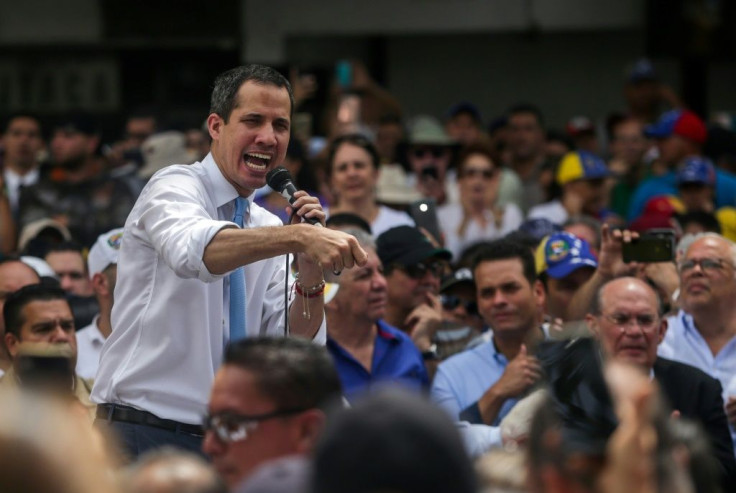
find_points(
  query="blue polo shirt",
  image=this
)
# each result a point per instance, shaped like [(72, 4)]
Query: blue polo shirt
[(396, 361)]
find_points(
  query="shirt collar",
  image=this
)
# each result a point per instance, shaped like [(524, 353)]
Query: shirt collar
[(223, 191), (95, 331), (14, 179), (383, 333)]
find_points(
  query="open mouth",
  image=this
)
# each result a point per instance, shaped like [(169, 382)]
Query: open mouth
[(257, 160)]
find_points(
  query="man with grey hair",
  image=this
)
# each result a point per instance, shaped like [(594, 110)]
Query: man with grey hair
[(703, 333), (367, 351), (201, 265)]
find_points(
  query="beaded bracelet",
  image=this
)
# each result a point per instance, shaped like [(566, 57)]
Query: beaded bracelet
[(310, 292)]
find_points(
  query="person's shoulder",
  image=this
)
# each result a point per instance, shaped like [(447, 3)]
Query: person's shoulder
[(543, 210), (458, 361), (394, 214), (681, 372)]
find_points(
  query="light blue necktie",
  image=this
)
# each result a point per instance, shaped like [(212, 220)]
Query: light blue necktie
[(237, 283)]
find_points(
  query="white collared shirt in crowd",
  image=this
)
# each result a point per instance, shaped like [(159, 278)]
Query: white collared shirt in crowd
[(170, 318), (13, 182), (89, 346)]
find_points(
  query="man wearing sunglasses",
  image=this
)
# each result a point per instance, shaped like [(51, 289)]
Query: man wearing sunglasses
[(413, 267), (429, 156), (703, 333), (461, 320), (626, 319), (269, 400)]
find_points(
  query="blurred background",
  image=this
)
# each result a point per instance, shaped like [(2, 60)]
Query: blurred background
[(567, 56)]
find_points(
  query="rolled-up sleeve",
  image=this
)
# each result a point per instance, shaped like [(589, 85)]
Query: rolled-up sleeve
[(179, 227)]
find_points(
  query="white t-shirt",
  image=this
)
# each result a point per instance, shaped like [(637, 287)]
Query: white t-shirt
[(553, 210), (388, 218)]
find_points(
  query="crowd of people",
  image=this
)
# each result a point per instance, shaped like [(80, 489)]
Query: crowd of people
[(445, 304)]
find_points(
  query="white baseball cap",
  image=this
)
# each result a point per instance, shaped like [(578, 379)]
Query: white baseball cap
[(105, 251)]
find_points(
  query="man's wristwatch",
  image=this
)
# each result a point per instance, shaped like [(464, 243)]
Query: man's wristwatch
[(431, 353)]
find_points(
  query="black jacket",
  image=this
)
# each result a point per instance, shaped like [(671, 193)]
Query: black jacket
[(697, 396)]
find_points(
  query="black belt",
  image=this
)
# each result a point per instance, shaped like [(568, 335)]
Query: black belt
[(125, 414)]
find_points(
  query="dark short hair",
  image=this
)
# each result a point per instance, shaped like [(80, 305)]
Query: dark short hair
[(707, 220), (475, 148), (358, 140), (504, 249), (348, 219), (14, 303), (225, 92), (8, 119), (526, 108), (293, 373), (69, 246)]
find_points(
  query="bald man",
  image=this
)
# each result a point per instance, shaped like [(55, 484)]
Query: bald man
[(627, 321)]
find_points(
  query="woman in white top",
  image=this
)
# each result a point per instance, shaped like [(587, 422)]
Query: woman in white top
[(353, 174), (478, 216)]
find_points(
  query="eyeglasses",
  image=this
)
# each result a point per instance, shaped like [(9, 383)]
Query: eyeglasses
[(418, 271), (646, 322), (487, 174), (450, 302), (435, 152), (232, 427), (706, 264)]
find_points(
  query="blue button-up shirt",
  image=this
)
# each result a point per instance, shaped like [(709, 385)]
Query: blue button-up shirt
[(685, 344), (463, 379), (396, 361)]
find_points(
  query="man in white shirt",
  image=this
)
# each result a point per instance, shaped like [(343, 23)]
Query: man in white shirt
[(21, 141), (172, 314), (102, 265)]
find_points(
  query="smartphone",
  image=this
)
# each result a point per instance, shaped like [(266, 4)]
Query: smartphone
[(424, 213), (46, 373), (656, 245), (344, 74), (430, 172)]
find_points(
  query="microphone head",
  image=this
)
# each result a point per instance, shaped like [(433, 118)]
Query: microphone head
[(278, 178)]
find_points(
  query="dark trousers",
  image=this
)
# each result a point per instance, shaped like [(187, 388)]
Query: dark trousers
[(137, 439)]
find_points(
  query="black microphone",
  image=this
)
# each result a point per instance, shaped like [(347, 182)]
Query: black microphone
[(279, 179)]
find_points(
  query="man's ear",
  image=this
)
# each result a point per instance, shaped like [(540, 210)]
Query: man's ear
[(663, 326), (100, 284), (214, 125), (11, 343), (310, 425), (540, 293), (592, 323)]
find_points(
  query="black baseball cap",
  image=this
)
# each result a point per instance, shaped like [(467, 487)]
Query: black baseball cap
[(406, 245)]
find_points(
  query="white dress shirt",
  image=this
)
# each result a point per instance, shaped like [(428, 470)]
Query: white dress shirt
[(170, 318), (89, 345), (13, 182)]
